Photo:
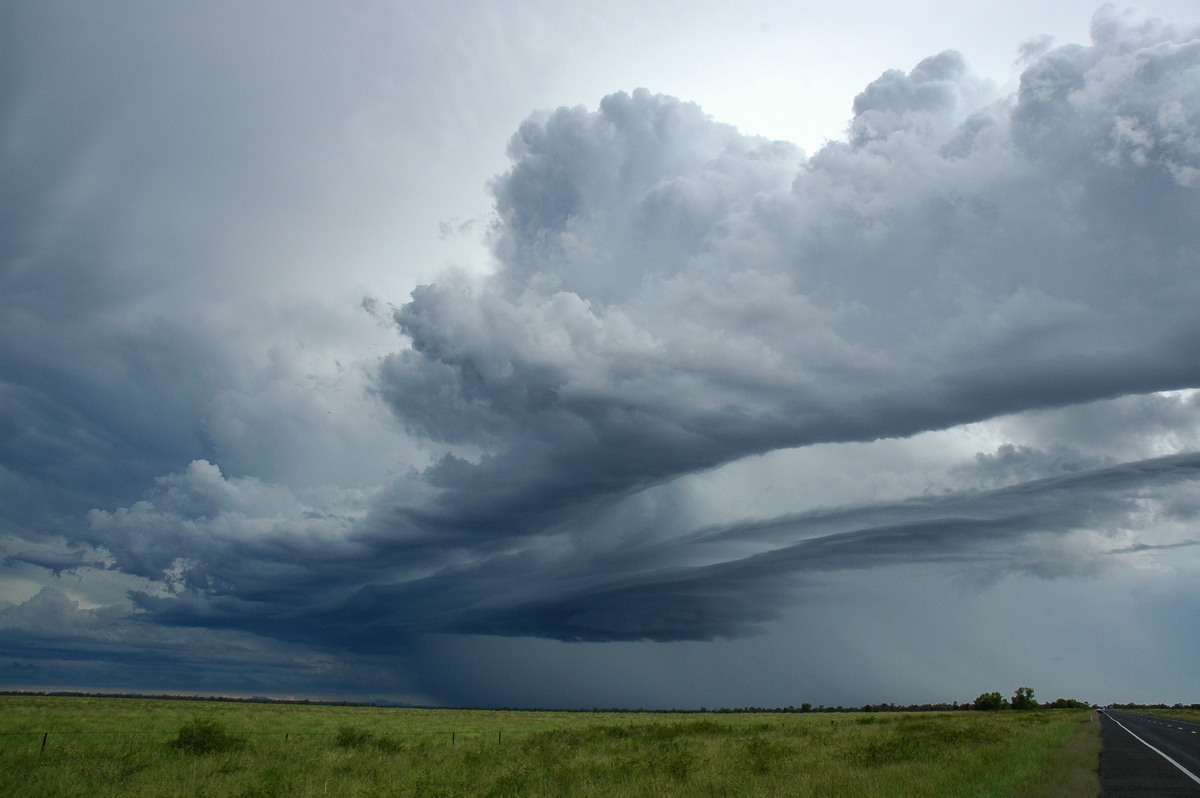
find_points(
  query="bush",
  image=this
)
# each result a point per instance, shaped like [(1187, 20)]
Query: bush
[(206, 736), (352, 737)]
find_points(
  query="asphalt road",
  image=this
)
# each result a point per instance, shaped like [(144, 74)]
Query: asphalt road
[(1130, 767)]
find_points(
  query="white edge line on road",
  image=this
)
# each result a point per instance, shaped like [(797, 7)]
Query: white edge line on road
[(1189, 773)]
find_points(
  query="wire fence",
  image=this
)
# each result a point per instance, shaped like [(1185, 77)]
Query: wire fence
[(44, 737)]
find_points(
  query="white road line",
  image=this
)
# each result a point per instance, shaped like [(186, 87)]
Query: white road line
[(1189, 773)]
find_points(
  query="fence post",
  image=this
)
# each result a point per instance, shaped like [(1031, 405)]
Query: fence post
[(452, 737), (44, 736), (498, 736)]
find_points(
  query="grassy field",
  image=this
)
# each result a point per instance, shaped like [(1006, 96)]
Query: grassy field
[(146, 747), (1192, 715)]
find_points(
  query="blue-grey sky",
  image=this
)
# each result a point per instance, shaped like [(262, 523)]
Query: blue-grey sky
[(615, 354)]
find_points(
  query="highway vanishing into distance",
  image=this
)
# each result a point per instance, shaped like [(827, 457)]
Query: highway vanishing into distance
[(1145, 756)]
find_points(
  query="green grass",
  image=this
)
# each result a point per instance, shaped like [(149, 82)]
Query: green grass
[(1072, 770), (183, 748), (1192, 715)]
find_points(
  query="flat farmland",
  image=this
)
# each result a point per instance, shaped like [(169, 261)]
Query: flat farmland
[(59, 746), (1192, 715)]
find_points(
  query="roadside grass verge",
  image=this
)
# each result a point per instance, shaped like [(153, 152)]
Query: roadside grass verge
[(1072, 770), (186, 748), (1192, 715)]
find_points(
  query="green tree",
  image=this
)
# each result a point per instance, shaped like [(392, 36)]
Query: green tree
[(1023, 699), (990, 702)]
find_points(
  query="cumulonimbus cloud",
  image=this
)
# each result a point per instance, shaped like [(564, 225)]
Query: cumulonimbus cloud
[(671, 295)]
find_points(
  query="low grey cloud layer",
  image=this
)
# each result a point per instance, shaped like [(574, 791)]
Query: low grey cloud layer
[(684, 587), (536, 452)]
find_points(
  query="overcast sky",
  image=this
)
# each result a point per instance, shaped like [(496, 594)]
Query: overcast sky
[(600, 354)]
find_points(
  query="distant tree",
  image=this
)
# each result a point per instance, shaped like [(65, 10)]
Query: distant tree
[(990, 702), (1066, 703), (1023, 699)]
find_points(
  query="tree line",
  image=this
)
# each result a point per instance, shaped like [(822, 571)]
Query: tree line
[(1022, 699)]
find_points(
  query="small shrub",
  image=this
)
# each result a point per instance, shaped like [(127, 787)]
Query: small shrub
[(514, 783), (352, 737), (674, 759), (206, 736), (621, 732), (674, 731), (388, 745), (762, 754), (554, 747)]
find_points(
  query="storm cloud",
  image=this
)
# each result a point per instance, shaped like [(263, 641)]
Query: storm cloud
[(556, 447)]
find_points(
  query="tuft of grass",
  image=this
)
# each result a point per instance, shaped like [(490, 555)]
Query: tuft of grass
[(206, 736), (352, 737)]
